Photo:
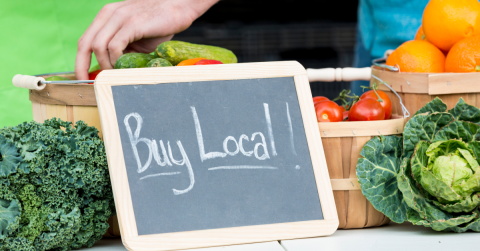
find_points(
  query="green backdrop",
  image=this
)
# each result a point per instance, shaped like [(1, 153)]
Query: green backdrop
[(38, 36)]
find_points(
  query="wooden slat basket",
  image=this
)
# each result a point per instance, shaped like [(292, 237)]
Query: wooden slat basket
[(417, 89), (70, 103), (343, 142)]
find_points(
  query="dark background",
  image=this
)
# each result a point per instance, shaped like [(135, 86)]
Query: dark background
[(318, 34)]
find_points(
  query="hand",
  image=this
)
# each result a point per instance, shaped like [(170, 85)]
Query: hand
[(134, 26)]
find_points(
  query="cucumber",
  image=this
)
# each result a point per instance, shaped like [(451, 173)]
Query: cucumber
[(56, 78), (177, 51), (158, 62), (133, 60)]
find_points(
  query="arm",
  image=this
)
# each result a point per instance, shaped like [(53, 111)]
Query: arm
[(134, 26)]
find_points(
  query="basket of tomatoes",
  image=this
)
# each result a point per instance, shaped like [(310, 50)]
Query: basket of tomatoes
[(344, 130), (440, 61)]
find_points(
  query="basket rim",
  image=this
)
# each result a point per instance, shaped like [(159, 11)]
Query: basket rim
[(363, 128), (428, 83)]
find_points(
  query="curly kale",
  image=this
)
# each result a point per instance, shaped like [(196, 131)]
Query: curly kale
[(55, 191)]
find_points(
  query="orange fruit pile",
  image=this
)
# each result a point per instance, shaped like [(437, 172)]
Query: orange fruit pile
[(420, 34), (417, 56), (464, 56), (449, 28)]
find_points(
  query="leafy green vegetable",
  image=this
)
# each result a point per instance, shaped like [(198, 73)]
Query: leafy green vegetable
[(377, 172), (435, 180), (55, 191)]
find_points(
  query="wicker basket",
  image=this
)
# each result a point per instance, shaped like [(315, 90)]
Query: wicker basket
[(342, 142), (417, 89), (70, 103)]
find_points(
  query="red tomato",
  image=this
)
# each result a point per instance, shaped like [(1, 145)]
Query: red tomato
[(318, 99), (328, 111), (366, 110), (343, 108), (92, 75), (345, 115), (387, 104), (208, 61)]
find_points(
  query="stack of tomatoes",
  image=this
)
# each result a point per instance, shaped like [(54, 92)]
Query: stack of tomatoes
[(372, 105)]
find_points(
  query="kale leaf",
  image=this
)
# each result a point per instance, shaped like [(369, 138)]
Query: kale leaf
[(55, 191)]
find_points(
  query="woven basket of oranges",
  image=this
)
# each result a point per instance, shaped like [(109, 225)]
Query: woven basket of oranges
[(442, 61)]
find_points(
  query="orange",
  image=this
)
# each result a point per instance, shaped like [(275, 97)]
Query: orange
[(190, 61), (420, 34), (446, 22), (464, 56), (417, 56)]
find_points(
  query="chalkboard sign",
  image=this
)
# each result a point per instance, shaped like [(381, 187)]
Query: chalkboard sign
[(235, 159)]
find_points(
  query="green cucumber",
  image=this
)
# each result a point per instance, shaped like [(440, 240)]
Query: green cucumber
[(158, 62), (133, 60), (56, 78), (177, 51)]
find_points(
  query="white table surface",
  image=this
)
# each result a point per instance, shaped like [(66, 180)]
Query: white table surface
[(116, 245), (393, 237)]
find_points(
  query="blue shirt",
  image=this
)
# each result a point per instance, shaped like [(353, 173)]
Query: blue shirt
[(386, 24)]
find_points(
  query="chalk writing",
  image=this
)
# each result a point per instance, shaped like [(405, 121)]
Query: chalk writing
[(164, 156)]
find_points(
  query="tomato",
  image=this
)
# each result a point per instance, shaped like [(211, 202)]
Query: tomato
[(366, 110), (319, 98), (345, 115), (328, 111), (190, 61), (208, 61), (92, 75), (386, 102), (343, 108)]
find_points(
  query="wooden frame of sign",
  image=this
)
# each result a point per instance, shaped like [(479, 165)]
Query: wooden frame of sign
[(223, 236)]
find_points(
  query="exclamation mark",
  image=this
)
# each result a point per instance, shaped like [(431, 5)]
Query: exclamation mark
[(292, 144)]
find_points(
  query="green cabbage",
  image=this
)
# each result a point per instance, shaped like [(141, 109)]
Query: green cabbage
[(431, 175), (55, 191)]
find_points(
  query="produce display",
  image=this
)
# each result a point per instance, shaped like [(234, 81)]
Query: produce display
[(158, 62), (328, 111), (431, 175), (172, 53), (417, 56), (463, 56), (55, 186), (133, 60), (191, 61), (93, 72), (168, 54), (372, 105), (178, 51), (365, 110), (447, 40), (385, 101)]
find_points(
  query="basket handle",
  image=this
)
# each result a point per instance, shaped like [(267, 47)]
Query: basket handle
[(405, 112), (28, 82), (339, 74), (39, 83)]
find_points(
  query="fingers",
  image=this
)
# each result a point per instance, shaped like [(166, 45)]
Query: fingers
[(84, 47), (119, 43), (100, 44), (137, 25)]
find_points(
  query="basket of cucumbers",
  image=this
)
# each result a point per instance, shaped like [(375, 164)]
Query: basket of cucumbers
[(77, 102)]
